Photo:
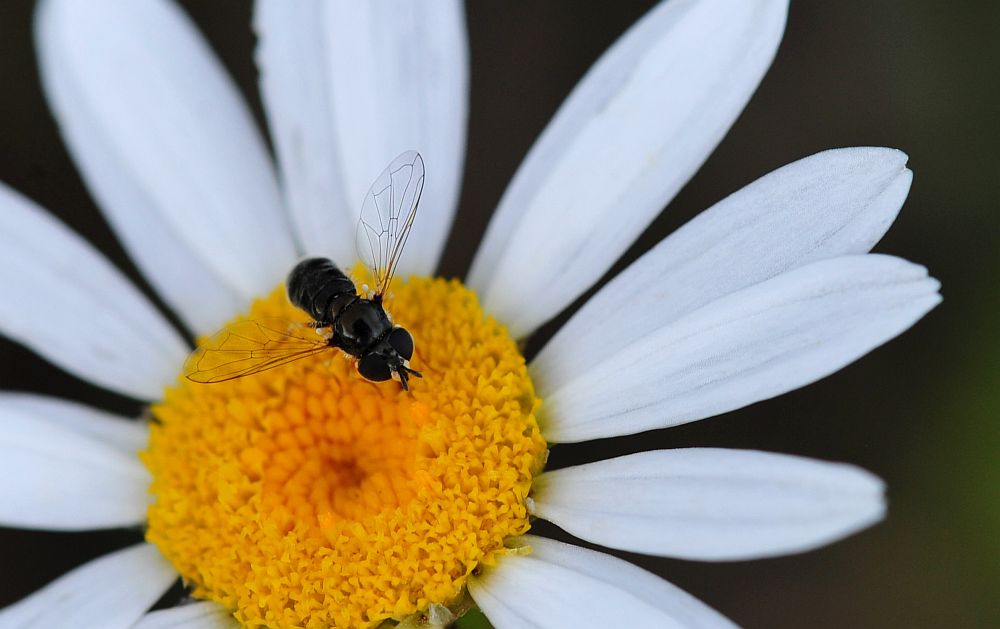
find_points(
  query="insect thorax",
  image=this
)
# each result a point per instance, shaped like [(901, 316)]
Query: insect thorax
[(360, 326)]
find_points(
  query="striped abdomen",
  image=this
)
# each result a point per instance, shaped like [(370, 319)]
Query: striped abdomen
[(317, 286)]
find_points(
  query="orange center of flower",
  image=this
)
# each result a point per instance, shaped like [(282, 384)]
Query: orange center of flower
[(308, 496)]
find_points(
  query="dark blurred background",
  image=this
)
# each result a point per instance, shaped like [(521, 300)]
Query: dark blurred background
[(922, 412)]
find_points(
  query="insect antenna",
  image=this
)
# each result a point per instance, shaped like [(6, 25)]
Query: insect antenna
[(404, 376)]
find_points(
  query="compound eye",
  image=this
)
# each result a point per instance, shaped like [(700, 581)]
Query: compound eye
[(374, 368), (402, 342)]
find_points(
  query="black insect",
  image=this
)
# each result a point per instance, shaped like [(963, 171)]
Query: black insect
[(342, 318)]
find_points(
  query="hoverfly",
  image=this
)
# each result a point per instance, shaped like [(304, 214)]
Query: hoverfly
[(343, 319)]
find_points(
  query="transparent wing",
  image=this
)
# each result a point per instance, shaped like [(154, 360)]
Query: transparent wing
[(387, 215), (249, 347)]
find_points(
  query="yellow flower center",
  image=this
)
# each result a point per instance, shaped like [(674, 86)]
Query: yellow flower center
[(308, 496)]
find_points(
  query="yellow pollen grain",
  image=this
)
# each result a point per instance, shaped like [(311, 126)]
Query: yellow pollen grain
[(306, 496)]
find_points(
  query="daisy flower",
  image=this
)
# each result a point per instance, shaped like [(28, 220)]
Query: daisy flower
[(306, 496)]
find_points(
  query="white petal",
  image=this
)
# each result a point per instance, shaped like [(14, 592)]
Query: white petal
[(834, 203), (347, 87), (559, 585), (63, 300), (634, 130), (169, 150), (710, 504), (127, 435), (60, 477), (109, 592), (201, 615), (751, 345)]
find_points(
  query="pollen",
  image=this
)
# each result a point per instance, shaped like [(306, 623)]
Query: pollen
[(306, 496)]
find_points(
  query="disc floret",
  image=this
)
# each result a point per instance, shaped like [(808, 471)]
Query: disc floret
[(307, 496)]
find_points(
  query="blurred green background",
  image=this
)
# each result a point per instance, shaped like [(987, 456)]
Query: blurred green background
[(922, 412)]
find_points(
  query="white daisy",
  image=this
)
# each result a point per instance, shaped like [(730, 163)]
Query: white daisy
[(264, 487)]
